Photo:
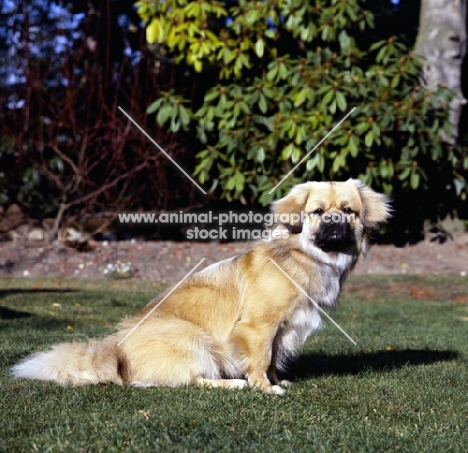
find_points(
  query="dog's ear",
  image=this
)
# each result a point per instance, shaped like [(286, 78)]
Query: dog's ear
[(289, 208), (376, 206)]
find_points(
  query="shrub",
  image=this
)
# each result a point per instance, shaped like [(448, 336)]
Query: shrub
[(279, 75)]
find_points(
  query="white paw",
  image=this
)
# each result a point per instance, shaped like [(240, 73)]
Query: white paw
[(143, 384), (223, 383), (237, 383), (276, 390)]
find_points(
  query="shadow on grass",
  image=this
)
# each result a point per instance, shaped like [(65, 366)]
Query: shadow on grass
[(316, 365), (8, 313), (10, 291)]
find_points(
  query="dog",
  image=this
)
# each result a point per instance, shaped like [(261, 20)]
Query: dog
[(237, 322)]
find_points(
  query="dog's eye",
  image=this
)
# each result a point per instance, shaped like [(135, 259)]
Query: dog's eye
[(318, 211), (348, 211)]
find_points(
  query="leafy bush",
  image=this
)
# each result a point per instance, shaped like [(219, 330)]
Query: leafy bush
[(285, 72)]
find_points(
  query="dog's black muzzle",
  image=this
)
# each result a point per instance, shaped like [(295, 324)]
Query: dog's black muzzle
[(334, 236)]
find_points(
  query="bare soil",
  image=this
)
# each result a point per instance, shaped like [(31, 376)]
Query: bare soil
[(170, 261)]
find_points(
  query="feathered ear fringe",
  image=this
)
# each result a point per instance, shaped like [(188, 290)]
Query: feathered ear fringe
[(376, 206), (293, 203)]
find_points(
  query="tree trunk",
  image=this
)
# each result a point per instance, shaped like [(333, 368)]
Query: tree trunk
[(441, 42)]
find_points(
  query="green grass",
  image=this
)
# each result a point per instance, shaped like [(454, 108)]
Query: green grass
[(402, 388)]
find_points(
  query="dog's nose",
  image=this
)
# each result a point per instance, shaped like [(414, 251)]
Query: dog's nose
[(335, 218)]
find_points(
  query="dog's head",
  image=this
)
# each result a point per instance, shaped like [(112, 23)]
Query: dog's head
[(332, 217)]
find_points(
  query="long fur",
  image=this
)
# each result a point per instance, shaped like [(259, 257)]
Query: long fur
[(240, 318)]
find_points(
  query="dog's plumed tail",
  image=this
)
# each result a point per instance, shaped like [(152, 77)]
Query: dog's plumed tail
[(76, 363)]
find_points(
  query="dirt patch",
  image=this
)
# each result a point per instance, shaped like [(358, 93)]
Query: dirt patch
[(171, 261)]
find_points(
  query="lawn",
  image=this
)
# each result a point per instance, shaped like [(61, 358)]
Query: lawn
[(402, 388)]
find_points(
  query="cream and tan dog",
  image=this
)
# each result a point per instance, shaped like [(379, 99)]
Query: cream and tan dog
[(241, 318)]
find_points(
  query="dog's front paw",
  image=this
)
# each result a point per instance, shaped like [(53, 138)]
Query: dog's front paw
[(275, 390), (271, 389), (263, 384)]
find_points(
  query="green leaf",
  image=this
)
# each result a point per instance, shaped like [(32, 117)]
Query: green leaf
[(345, 41), (383, 169), (198, 65), (384, 81), (381, 55), (414, 180), (337, 164), (300, 97), (296, 155), (312, 162), (376, 45), (212, 95), (362, 127), (287, 152), (404, 174), (251, 17), (262, 104), (231, 182), (184, 115), (341, 101), (300, 135), (369, 139), (352, 146), (395, 81), (321, 163), (152, 31), (154, 106), (328, 97), (175, 124), (164, 113), (282, 71), (260, 157), (259, 47), (272, 73), (239, 180)]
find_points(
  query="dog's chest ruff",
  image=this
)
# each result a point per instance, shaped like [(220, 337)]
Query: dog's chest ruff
[(294, 332), (306, 318), (330, 288)]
